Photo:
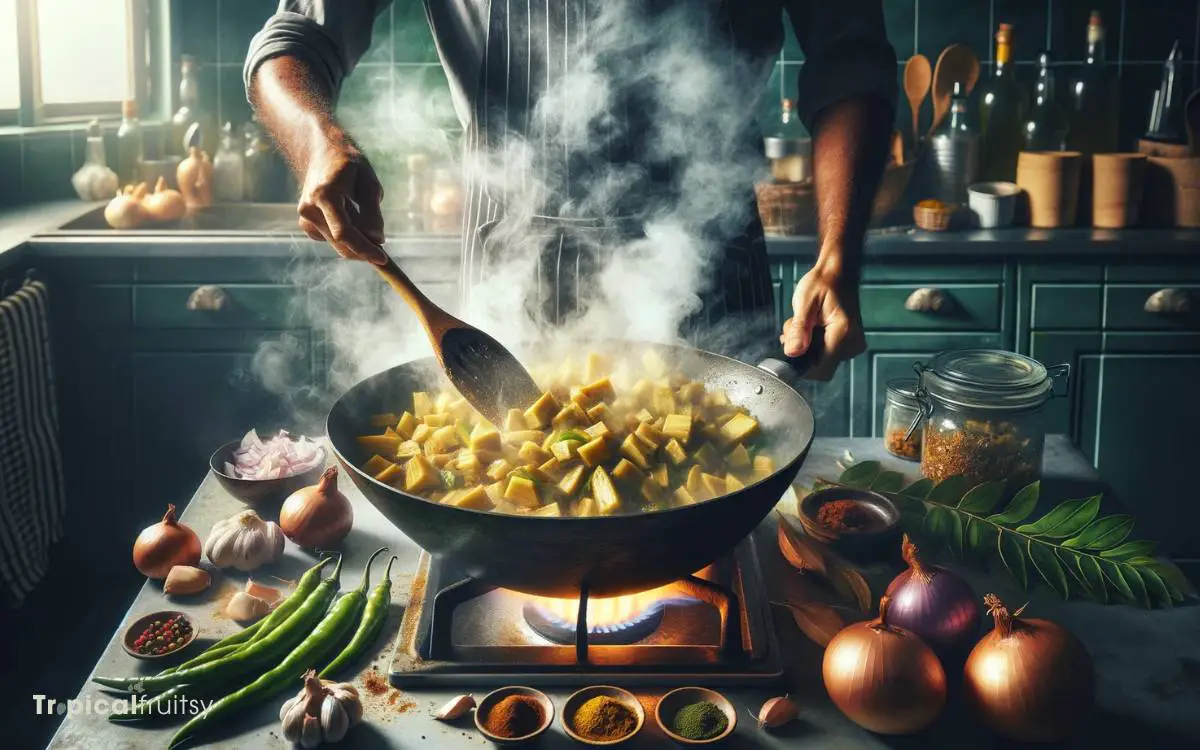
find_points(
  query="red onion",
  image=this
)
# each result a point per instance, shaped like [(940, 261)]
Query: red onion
[(933, 602)]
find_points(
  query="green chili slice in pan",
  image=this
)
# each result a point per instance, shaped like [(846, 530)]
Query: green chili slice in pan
[(374, 616)]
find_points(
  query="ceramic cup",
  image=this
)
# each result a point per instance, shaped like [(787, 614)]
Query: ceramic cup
[(1050, 179), (1172, 193), (1117, 181), (993, 203)]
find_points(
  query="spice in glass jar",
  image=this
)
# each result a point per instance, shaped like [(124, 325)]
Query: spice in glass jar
[(699, 721), (843, 515), (604, 719), (981, 451), (514, 716), (903, 445)]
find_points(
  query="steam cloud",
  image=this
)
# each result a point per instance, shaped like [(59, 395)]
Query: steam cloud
[(693, 110)]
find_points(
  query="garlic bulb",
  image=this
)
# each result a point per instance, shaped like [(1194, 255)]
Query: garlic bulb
[(185, 579), (244, 608), (244, 541), (323, 711)]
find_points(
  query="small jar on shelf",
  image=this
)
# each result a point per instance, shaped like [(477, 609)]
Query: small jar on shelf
[(899, 417)]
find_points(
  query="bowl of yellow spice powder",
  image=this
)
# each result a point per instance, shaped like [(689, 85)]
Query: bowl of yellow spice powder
[(696, 716), (602, 715)]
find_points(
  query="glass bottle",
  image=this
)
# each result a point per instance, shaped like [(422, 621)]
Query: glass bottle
[(130, 148), (191, 110), (955, 148), (1095, 98), (1001, 115), (95, 181), (1046, 126), (229, 167), (789, 148), (259, 167)]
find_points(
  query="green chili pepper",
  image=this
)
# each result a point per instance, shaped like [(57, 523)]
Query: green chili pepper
[(336, 624), (232, 643), (374, 616), (290, 632), (449, 479), (578, 437), (145, 709)]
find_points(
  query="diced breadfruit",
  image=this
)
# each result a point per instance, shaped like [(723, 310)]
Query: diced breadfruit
[(695, 481), (422, 433), (514, 421), (444, 439), (661, 475), (498, 469), (651, 492), (675, 452), (763, 466), (739, 428), (460, 408), (605, 492), (594, 453), (437, 420), (598, 430), (625, 471), (584, 401), (422, 404), (678, 426), (600, 390), (714, 485), (597, 366), (376, 464), (707, 456), (520, 437), (632, 450), (407, 449), (572, 480), (571, 415), (548, 510), (642, 391), (565, 450), (522, 492), (384, 420), (441, 404), (543, 410), (554, 469), (654, 364), (733, 484), (692, 392), (485, 438), (586, 507), (420, 474), (475, 498), (391, 475), (738, 458), (406, 424), (663, 401), (532, 453), (650, 435), (602, 413), (382, 444), (683, 497), (495, 492)]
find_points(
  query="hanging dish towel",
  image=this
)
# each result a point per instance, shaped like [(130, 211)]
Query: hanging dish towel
[(32, 490)]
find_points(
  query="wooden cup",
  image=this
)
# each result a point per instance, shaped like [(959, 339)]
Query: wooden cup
[(1050, 179), (1117, 181), (1172, 193)]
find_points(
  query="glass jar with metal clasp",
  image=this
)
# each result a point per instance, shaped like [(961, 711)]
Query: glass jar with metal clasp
[(981, 415), (899, 412)]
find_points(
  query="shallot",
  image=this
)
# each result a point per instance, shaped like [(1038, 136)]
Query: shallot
[(280, 456), (164, 545), (317, 516), (777, 712), (186, 579)]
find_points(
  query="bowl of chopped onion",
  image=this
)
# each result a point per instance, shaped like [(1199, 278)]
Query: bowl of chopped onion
[(265, 472)]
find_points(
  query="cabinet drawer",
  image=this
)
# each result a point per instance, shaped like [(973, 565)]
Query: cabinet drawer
[(1065, 306), (971, 307), (1173, 307), (239, 306)]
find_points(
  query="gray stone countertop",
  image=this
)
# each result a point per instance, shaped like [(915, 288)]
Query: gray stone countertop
[(1147, 662)]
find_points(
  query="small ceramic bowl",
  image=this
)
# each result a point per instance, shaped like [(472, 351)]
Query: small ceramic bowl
[(934, 218), (259, 491), (140, 624), (672, 702), (579, 697), (993, 203), (489, 702), (880, 538)]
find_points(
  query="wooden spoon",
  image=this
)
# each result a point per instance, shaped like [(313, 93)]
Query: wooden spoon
[(917, 75), (486, 374), (956, 64), (1191, 120)]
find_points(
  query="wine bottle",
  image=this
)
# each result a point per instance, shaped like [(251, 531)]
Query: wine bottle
[(1095, 98), (1046, 126), (1001, 115)]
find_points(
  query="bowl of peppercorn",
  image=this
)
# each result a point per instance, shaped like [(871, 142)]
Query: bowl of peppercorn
[(863, 525), (158, 635)]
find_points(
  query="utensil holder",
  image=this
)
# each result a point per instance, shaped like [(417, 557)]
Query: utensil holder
[(993, 203), (1165, 150), (933, 219), (786, 208), (1117, 181), (1171, 195), (1050, 179)]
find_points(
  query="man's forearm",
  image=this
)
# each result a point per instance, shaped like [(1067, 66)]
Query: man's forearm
[(850, 148), (296, 108)]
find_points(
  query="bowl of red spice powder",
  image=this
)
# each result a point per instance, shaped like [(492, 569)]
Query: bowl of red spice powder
[(513, 715), (860, 523)]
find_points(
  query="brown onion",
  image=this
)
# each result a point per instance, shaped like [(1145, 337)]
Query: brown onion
[(884, 677), (933, 602), (164, 545), (317, 516), (1029, 680)]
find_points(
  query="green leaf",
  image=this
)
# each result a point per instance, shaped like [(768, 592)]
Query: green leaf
[(1102, 533), (1020, 506), (1159, 594), (983, 498), (943, 525), (1090, 570), (1177, 582), (860, 476), (1136, 584), (981, 536), (955, 540), (1013, 557), (1065, 520), (1049, 567), (949, 491), (918, 489), (888, 481), (1136, 548), (1113, 573)]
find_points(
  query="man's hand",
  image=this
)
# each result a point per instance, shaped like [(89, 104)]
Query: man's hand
[(339, 202), (827, 301)]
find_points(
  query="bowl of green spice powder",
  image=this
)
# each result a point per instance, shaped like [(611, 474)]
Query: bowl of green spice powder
[(602, 716), (695, 716)]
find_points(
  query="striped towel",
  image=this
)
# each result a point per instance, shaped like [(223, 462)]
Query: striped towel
[(32, 490)]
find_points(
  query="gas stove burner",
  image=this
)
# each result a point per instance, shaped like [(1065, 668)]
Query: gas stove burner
[(608, 631)]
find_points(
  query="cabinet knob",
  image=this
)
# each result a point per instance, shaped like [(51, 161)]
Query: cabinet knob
[(210, 298), (1169, 302), (929, 300)]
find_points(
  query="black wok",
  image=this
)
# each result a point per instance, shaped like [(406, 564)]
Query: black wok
[(612, 555)]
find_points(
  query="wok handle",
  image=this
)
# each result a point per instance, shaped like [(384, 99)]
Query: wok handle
[(791, 369)]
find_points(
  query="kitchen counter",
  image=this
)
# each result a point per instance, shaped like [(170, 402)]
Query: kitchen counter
[(1147, 662)]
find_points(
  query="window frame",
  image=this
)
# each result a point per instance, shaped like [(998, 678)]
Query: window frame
[(145, 52)]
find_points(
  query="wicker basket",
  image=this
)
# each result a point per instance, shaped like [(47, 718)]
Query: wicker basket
[(933, 219)]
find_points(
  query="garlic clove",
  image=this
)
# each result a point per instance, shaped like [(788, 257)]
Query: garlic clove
[(185, 579), (291, 714), (310, 732), (777, 712), (334, 719), (347, 696), (455, 708), (269, 595), (243, 607)]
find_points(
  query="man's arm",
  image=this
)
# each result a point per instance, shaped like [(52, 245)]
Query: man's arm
[(846, 99), (293, 72)]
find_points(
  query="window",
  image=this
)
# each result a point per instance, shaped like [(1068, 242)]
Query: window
[(63, 60)]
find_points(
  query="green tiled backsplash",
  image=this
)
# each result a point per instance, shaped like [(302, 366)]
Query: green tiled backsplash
[(402, 65)]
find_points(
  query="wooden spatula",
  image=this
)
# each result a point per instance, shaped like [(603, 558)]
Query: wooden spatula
[(917, 75), (956, 64), (486, 374)]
